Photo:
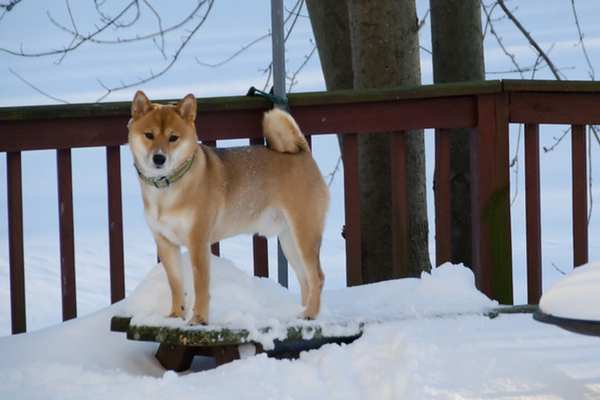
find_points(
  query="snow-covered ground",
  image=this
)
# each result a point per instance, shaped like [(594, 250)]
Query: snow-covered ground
[(407, 354)]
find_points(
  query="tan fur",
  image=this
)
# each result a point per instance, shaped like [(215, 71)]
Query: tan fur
[(271, 191), (282, 132)]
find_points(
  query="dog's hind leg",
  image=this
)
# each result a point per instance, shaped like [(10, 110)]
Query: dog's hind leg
[(306, 232), (291, 253), (171, 260)]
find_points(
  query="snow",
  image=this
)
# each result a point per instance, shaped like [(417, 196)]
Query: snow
[(576, 295), (241, 301), (436, 346)]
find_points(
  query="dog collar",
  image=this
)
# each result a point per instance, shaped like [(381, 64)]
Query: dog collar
[(164, 181)]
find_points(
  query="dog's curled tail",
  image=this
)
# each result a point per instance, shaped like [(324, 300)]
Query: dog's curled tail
[(282, 132)]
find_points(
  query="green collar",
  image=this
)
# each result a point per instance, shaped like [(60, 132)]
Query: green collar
[(161, 182)]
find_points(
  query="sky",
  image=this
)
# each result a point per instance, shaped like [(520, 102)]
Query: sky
[(231, 25)]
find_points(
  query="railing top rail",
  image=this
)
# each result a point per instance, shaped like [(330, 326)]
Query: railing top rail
[(212, 104), (229, 103), (520, 85)]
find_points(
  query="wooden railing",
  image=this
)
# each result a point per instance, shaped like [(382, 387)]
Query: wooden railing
[(487, 108)]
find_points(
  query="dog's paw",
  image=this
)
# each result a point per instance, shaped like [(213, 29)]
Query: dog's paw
[(309, 316), (198, 320), (178, 312)]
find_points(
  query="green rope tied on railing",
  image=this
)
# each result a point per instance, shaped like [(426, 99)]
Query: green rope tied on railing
[(276, 100)]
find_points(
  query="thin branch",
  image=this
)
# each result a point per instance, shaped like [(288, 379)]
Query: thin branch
[(234, 55), (527, 69), (160, 47), (37, 89), (331, 176), (560, 271), (530, 39), (557, 141), (10, 5), (164, 70), (294, 12), (489, 23), (292, 79), (74, 46), (269, 69), (591, 71), (107, 19), (137, 38)]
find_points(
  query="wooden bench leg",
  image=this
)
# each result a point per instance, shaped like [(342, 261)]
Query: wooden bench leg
[(225, 354), (175, 358)]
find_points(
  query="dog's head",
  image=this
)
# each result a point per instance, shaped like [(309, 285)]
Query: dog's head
[(162, 137)]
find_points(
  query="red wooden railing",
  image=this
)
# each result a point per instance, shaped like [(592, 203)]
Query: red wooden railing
[(486, 108)]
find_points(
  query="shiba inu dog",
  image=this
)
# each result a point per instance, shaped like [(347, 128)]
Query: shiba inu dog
[(195, 195)]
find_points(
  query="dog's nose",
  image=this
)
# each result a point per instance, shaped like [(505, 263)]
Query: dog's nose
[(159, 159)]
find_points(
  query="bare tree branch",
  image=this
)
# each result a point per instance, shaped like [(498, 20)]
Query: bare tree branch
[(292, 79), (331, 176), (530, 39), (294, 12), (81, 40), (37, 89), (137, 38), (235, 54), (115, 22), (10, 5), (591, 71), (556, 141), (152, 75), (161, 46)]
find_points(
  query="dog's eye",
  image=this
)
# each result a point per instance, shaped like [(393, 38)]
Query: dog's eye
[(173, 138), (149, 135)]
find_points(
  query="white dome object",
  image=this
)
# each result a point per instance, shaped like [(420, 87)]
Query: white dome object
[(576, 296)]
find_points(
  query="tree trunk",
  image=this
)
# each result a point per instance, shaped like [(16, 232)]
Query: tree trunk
[(457, 46), (329, 20), (365, 44), (385, 53), (330, 25)]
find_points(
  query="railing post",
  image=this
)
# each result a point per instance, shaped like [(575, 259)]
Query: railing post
[(115, 223), (580, 204), (442, 193), (67, 235), (14, 192), (532, 213), (399, 204), (490, 199), (352, 211)]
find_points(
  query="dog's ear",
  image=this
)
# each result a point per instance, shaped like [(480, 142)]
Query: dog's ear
[(140, 105), (187, 108)]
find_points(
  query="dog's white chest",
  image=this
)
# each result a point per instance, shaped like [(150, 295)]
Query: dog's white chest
[(173, 226)]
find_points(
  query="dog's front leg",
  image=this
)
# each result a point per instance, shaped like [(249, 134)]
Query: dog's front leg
[(200, 256), (170, 257)]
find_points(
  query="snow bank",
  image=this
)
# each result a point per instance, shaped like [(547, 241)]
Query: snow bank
[(240, 301), (469, 357), (404, 356), (577, 295)]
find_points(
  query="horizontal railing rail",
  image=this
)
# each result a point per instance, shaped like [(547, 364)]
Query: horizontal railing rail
[(486, 108)]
